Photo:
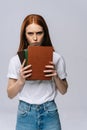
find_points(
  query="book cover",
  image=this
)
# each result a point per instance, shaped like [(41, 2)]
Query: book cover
[(38, 57)]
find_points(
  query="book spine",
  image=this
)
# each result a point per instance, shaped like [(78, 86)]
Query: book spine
[(26, 56)]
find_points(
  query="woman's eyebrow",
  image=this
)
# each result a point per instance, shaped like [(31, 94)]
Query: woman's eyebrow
[(34, 32)]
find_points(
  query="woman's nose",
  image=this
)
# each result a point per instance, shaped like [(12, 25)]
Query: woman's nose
[(35, 37)]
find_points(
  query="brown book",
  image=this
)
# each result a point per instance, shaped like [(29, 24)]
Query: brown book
[(38, 57)]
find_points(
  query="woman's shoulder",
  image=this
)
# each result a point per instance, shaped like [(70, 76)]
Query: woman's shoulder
[(15, 59), (56, 56)]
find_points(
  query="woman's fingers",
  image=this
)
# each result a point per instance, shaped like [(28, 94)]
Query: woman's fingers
[(50, 70), (23, 64), (25, 71), (51, 74), (26, 67), (27, 75), (49, 66)]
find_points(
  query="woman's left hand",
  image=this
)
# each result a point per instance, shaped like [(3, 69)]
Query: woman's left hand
[(50, 70)]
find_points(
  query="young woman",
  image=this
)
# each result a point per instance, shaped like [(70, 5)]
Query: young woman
[(37, 109)]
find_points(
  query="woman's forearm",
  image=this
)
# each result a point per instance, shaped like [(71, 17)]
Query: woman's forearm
[(61, 85), (14, 87)]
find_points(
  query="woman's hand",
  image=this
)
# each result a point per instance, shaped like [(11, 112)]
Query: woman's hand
[(50, 70), (16, 85), (25, 71)]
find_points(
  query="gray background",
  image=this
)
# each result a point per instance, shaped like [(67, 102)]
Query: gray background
[(67, 22)]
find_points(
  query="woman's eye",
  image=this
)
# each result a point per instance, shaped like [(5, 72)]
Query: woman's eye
[(30, 33), (39, 33)]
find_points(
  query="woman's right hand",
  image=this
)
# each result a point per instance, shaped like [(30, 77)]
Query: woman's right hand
[(25, 71)]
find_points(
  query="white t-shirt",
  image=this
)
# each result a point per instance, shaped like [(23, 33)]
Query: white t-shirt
[(37, 91)]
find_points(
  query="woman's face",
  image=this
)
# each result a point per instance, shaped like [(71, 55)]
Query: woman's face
[(34, 34)]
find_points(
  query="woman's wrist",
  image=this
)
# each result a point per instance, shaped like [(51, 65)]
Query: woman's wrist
[(21, 82)]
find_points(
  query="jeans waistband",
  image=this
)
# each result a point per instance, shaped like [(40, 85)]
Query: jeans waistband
[(35, 106)]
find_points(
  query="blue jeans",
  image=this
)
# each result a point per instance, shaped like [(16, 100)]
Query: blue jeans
[(38, 117)]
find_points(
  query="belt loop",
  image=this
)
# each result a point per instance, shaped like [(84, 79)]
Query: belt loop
[(29, 107), (45, 107)]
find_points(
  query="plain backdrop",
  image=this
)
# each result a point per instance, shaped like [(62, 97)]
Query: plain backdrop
[(67, 23)]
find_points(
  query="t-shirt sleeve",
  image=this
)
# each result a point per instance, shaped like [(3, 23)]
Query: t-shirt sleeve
[(13, 69), (61, 68)]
